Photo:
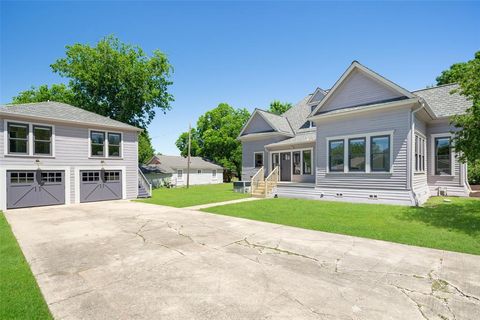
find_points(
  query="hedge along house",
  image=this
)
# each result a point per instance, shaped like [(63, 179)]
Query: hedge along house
[(366, 140), (53, 153)]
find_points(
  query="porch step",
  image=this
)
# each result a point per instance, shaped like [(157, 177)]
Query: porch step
[(142, 193)]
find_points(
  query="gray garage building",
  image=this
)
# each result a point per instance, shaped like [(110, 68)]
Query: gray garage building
[(54, 153)]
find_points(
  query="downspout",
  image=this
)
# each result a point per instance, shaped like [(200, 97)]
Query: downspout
[(412, 150)]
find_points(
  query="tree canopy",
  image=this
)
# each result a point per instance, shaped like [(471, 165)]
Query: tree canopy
[(113, 79), (215, 138), (467, 75), (278, 107)]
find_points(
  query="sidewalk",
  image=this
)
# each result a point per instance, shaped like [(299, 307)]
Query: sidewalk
[(208, 205)]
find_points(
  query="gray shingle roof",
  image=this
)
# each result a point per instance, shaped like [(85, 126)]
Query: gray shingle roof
[(179, 162), (280, 123), (56, 111), (298, 114), (301, 138), (442, 102)]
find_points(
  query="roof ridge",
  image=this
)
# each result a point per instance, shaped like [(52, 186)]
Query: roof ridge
[(435, 87)]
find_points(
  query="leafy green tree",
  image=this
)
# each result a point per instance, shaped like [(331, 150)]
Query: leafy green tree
[(278, 107), (117, 80), (467, 139), (57, 92), (145, 149), (215, 138)]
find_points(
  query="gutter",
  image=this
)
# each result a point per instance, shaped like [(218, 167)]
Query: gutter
[(412, 148)]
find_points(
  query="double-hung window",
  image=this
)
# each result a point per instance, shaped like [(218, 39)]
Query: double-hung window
[(443, 156), (380, 153), (420, 147), (214, 173), (18, 138), (180, 174), (42, 140), (356, 154), (105, 144), (336, 155), (258, 158)]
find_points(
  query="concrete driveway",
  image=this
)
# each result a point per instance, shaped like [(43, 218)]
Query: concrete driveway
[(127, 260)]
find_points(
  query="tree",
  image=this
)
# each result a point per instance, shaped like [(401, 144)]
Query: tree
[(117, 80), (278, 107), (145, 149), (215, 138), (467, 138), (57, 92)]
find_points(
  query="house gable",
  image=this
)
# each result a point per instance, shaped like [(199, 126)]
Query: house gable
[(257, 124), (360, 86)]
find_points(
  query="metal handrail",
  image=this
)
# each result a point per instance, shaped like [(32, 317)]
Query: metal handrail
[(257, 177), (272, 180), (145, 183)]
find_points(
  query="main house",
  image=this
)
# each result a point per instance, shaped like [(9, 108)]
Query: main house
[(54, 153), (365, 140)]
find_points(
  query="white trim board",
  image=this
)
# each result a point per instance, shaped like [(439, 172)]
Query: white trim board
[(452, 154)]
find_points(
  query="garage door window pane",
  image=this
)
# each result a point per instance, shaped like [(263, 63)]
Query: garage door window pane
[(17, 138), (114, 141), (42, 140), (98, 143)]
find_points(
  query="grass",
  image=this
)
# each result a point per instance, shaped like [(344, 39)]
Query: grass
[(20, 296), (195, 195), (453, 226)]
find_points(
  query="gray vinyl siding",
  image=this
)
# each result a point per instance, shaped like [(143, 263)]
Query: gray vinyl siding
[(257, 124), (434, 181), (397, 120), (248, 150), (359, 89), (72, 150)]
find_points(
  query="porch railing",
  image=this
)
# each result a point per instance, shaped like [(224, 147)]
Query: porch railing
[(256, 179), (272, 180), (143, 181)]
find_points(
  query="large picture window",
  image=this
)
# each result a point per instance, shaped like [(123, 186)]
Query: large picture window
[(356, 154), (336, 155), (296, 163), (380, 153), (97, 139), (307, 161), (18, 138), (443, 159), (42, 140), (258, 158)]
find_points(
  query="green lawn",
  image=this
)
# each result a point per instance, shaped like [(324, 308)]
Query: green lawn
[(195, 195), (451, 225), (20, 297)]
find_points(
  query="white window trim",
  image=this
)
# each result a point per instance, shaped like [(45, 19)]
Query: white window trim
[(214, 176), (434, 155), (30, 147), (367, 137), (263, 158), (425, 155), (291, 160), (199, 171), (106, 156), (178, 176)]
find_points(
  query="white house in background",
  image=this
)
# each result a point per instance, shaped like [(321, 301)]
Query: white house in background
[(366, 139), (54, 153), (174, 168)]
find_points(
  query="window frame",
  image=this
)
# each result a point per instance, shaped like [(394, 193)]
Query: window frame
[(35, 126), (291, 151), (420, 153), (119, 144), (254, 159), (26, 139), (299, 162), (389, 150), (303, 162), (364, 155), (105, 144), (180, 174), (214, 174), (368, 157), (329, 143), (30, 139), (199, 171), (433, 138)]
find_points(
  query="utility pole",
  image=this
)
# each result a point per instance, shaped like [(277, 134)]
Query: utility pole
[(188, 157)]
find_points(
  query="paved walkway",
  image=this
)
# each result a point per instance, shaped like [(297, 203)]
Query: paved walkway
[(130, 260), (209, 205)]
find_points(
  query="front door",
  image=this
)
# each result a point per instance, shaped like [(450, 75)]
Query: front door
[(285, 166)]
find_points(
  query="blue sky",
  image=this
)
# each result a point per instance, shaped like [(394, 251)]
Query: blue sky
[(243, 53)]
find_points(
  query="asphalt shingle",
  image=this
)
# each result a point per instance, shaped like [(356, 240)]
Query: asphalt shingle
[(443, 102)]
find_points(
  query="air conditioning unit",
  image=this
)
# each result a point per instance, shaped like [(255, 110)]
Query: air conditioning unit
[(442, 191)]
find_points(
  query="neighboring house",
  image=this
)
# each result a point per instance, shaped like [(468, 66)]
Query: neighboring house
[(53, 153), (174, 168), (366, 139)]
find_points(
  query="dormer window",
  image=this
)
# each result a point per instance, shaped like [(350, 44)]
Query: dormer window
[(308, 124)]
